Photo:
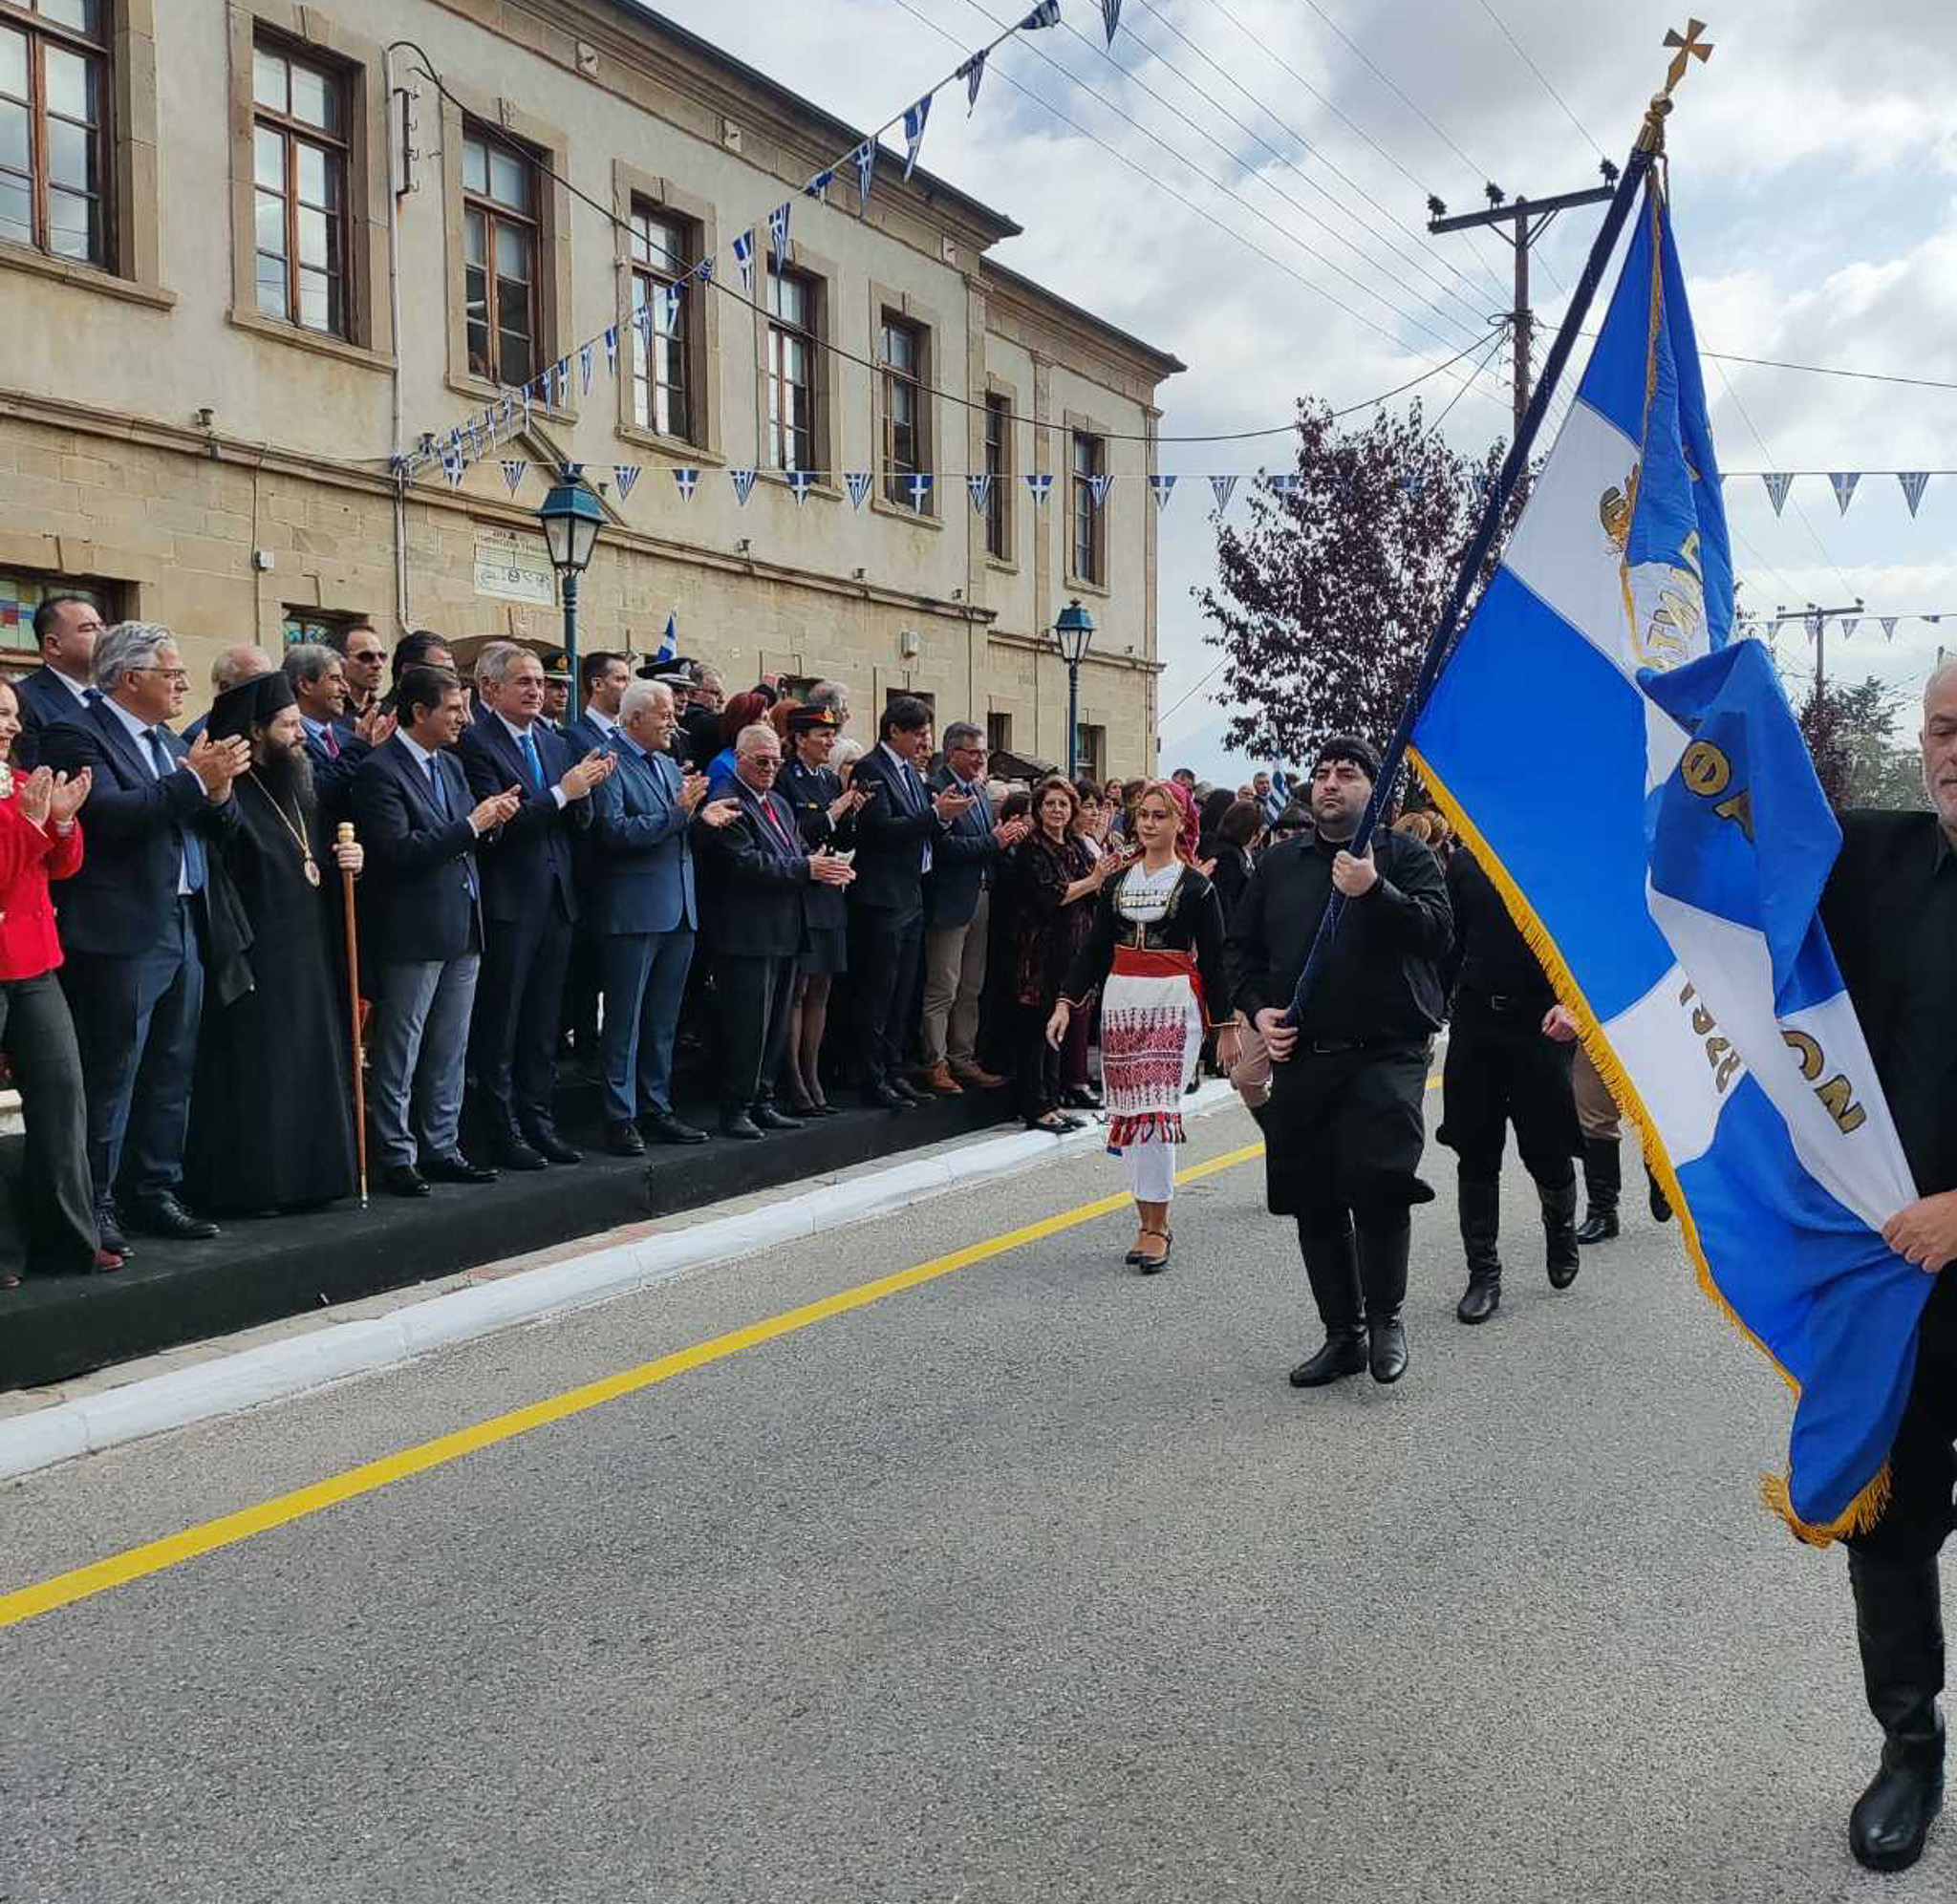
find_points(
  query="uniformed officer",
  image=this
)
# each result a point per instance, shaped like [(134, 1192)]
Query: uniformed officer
[(1344, 1128), (1891, 914), (1508, 1047)]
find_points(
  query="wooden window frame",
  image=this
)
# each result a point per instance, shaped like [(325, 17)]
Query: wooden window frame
[(646, 280), (998, 451), (633, 190), (775, 331), (41, 34), (1079, 502), (495, 214), (893, 380), (339, 148)]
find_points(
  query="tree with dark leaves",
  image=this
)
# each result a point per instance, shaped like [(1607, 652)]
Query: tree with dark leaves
[(1851, 736), (1325, 604)]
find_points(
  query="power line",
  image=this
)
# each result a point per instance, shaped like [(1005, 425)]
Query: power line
[(1527, 62), (1222, 185)]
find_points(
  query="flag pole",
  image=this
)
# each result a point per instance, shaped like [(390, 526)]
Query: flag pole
[(1649, 148), (345, 837)]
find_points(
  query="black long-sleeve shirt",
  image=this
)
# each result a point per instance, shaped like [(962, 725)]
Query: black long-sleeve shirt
[(1489, 956), (1381, 980)]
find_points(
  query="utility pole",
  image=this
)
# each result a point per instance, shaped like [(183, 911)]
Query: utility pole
[(1526, 220), (1816, 620)]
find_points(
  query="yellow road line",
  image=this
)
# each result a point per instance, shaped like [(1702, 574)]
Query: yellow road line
[(137, 1563)]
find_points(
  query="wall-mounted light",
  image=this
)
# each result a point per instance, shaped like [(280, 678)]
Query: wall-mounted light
[(908, 644), (206, 418), (742, 546)]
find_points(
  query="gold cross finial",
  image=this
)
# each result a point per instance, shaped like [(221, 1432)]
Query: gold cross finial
[(1690, 47)]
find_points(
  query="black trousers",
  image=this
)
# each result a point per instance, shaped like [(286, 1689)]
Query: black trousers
[(885, 946), (1923, 1461), (1344, 1131), (751, 1000), (584, 976), (1501, 1070), (56, 1200), (1036, 1064), (518, 1015)]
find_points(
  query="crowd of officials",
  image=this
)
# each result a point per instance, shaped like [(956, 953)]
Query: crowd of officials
[(652, 877)]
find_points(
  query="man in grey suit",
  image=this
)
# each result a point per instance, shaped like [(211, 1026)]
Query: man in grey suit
[(958, 902), (645, 915)]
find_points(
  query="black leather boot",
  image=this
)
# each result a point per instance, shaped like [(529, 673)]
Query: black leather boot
[(1900, 1623), (1661, 1205), (1332, 1267), (1383, 1276), (1603, 1179), (1559, 1232), (1481, 1225)]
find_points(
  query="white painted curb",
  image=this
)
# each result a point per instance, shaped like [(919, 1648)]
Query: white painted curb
[(228, 1384)]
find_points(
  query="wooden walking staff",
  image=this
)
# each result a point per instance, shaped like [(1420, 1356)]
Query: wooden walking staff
[(345, 837), (1648, 149)]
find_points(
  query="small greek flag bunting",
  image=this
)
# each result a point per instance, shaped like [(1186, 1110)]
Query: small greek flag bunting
[(452, 466), (400, 467), (1778, 482), (972, 72), (980, 487), (1097, 487), (1110, 15), (1041, 487), (743, 256), (1284, 483), (514, 469), (1914, 482), (687, 482), (1933, 620), (474, 441), (610, 350), (1161, 487), (1411, 485), (625, 475), (1889, 626), (1223, 488), (1046, 14), (584, 369), (1849, 625), (818, 187), (857, 482), (919, 486), (1844, 481), (561, 377), (914, 132), (743, 484), (642, 316), (704, 269), (865, 157), (777, 227), (798, 481), (671, 296)]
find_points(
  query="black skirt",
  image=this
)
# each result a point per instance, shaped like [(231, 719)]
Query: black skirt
[(828, 953)]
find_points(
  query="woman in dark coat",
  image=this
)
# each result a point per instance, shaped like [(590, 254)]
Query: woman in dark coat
[(1057, 881), (1230, 853)]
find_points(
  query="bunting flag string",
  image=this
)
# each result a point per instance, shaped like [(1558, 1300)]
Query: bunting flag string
[(584, 370), (1040, 486), (1046, 14), (799, 482), (1110, 15), (452, 466), (919, 484), (1778, 482), (686, 481), (915, 118), (1914, 482), (1888, 623), (610, 350), (743, 256), (513, 471), (1163, 487), (865, 157), (972, 72), (1284, 482), (1097, 487), (981, 488), (1843, 481), (857, 482), (743, 484), (1223, 487), (778, 228), (818, 187), (625, 475)]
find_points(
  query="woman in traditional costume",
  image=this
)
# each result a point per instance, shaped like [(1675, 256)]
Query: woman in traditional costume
[(1155, 954)]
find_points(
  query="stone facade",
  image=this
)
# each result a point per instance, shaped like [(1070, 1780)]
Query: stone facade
[(226, 473)]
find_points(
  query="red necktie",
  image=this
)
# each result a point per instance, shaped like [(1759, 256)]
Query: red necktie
[(333, 741)]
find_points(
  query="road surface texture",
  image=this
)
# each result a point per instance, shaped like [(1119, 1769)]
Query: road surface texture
[(1033, 1581)]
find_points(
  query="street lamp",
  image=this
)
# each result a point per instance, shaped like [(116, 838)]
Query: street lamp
[(1074, 631), (570, 516)]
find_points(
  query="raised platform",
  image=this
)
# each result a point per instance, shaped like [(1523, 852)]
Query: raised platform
[(262, 1268)]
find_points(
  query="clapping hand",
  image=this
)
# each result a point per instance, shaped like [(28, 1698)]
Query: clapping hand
[(498, 810), (217, 764), (846, 804), (376, 726), (826, 869), (1010, 832), (594, 770), (69, 793), (693, 789), (717, 813), (37, 797), (950, 803)]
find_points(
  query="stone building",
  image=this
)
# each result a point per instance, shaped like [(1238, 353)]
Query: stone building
[(223, 320)]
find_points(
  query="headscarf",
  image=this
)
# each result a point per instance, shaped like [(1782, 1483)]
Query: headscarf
[(1184, 802)]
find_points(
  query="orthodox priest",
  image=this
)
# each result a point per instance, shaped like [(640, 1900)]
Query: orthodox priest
[(1345, 1128), (270, 1121)]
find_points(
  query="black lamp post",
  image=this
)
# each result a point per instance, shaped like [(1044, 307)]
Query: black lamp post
[(1074, 631), (570, 516)]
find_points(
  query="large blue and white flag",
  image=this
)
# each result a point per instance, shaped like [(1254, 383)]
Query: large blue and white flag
[(1631, 778)]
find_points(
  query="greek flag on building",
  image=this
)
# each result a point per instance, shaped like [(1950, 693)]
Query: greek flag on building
[(1633, 781)]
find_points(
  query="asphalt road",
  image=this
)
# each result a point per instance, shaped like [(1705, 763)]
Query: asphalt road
[(1033, 1582)]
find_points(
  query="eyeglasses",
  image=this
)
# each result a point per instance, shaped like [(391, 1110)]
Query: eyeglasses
[(181, 675)]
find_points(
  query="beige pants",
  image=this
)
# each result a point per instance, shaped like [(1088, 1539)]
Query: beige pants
[(1250, 1077), (1597, 1112), (954, 978)]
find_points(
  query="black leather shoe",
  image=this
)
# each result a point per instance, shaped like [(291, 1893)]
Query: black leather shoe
[(770, 1119), (1343, 1354), (1661, 1205), (1598, 1227), (1480, 1300), (1081, 1097), (1603, 1179), (908, 1091), (890, 1098), (166, 1216), (739, 1124), (669, 1129), (1560, 1258), (403, 1180), (553, 1149), (1893, 1817), (622, 1139), (1383, 1277), (514, 1154), (1899, 1625), (109, 1232), (456, 1169)]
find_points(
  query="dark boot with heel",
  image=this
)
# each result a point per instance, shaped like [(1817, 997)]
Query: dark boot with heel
[(1898, 1621), (1331, 1266), (1481, 1224), (1559, 1232), (1603, 1182), (1383, 1276)]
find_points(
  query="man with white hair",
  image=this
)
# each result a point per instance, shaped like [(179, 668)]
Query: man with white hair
[(136, 919), (1890, 908), (233, 667)]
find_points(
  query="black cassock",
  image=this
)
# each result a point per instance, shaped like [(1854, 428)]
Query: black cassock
[(272, 1123)]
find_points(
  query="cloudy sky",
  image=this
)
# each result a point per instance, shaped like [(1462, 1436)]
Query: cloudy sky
[(1270, 235)]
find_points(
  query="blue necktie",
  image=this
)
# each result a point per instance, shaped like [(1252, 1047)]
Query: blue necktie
[(440, 792), (531, 759), (190, 878)]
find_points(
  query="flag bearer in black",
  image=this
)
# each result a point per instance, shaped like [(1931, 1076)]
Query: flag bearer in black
[(1509, 1050), (1890, 908), (1343, 1129)]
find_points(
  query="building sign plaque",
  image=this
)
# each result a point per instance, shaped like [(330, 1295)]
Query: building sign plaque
[(514, 567)]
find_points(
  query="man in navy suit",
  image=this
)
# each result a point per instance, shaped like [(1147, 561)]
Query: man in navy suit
[(645, 914), (604, 677), (897, 834), (958, 912), (758, 869), (135, 920), (318, 679), (421, 901), (66, 629), (530, 903)]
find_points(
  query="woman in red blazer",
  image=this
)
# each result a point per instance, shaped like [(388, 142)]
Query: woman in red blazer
[(39, 841)]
